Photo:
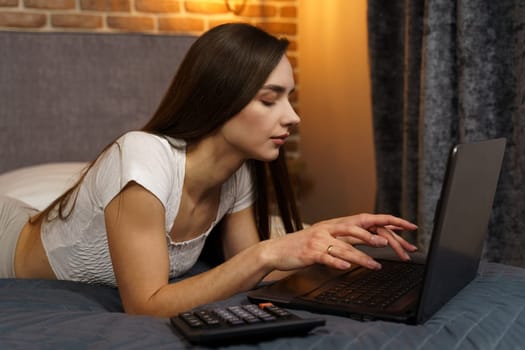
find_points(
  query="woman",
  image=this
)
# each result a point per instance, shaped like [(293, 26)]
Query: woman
[(141, 212)]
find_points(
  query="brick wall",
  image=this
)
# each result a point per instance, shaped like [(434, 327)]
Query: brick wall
[(278, 17)]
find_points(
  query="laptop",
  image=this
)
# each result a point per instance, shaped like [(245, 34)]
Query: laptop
[(413, 291)]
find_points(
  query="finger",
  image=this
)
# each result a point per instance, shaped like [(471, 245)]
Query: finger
[(408, 246), (357, 234), (337, 252), (369, 222), (394, 228), (394, 243), (383, 220), (351, 240), (335, 262), (327, 257)]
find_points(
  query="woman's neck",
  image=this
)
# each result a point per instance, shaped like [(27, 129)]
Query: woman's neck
[(209, 163)]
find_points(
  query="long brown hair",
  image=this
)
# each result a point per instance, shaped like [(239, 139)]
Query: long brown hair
[(221, 73)]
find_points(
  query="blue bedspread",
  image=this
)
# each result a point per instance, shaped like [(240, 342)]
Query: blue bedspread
[(37, 314)]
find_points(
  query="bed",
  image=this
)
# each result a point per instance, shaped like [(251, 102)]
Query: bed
[(63, 96)]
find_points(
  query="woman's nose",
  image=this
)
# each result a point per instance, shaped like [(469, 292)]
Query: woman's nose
[(291, 117)]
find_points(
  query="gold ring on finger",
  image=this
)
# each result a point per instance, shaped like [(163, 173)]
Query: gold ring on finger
[(329, 249)]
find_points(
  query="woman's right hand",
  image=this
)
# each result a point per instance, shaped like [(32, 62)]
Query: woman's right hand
[(332, 242)]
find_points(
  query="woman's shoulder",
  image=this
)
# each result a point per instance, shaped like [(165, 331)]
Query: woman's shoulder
[(240, 189), (242, 179), (142, 157), (140, 136), (244, 170), (139, 149), (147, 138)]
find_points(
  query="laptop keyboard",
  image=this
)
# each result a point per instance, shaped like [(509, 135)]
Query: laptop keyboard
[(377, 289)]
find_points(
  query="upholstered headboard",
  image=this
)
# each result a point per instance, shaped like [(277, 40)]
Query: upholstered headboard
[(64, 96)]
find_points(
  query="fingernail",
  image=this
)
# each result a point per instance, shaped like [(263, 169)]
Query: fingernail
[(374, 265)]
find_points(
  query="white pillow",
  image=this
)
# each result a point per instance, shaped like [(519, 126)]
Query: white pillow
[(39, 185)]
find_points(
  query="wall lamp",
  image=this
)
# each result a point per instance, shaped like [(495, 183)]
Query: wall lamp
[(236, 6)]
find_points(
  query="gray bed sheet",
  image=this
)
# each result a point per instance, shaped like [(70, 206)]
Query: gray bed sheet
[(38, 314)]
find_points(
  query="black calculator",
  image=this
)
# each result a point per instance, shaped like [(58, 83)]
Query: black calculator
[(241, 324)]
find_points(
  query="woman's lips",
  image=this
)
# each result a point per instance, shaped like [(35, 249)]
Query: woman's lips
[(280, 140)]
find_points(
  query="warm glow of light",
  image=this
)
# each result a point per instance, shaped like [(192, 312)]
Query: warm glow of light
[(335, 104), (235, 6)]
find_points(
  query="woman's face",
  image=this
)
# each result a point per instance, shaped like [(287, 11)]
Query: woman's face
[(263, 125)]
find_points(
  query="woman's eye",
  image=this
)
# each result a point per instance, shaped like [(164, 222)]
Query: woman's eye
[(267, 103)]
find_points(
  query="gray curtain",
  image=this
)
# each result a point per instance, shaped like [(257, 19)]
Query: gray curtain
[(444, 72)]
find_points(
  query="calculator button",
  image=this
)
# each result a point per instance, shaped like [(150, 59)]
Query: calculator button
[(277, 311), (228, 317), (243, 314), (265, 316), (191, 320), (208, 318)]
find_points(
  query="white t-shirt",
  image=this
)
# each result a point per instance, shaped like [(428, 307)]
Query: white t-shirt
[(77, 248)]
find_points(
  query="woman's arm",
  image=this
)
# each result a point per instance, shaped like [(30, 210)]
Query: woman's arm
[(135, 221), (240, 232)]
